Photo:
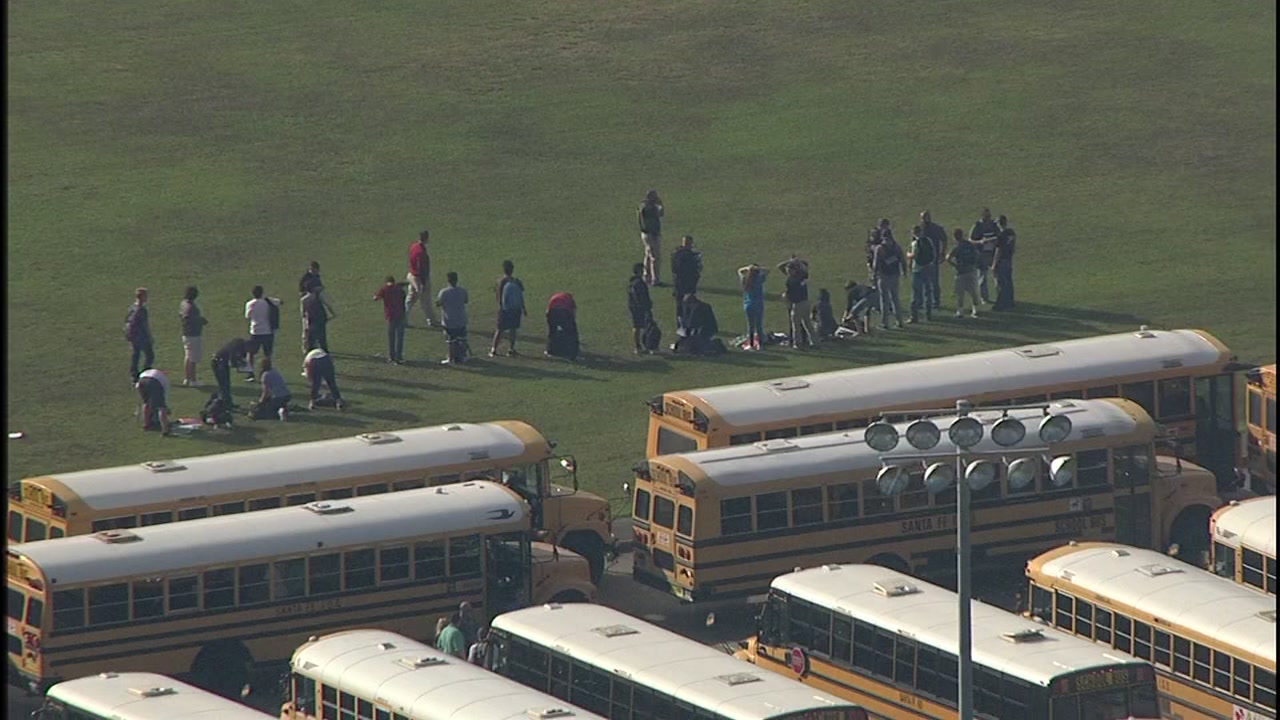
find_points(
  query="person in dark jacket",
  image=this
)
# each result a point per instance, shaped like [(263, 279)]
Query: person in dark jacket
[(193, 323), (686, 269), (640, 306), (1002, 262), (698, 327), (938, 234), (860, 300), (823, 316), (649, 217), (232, 355), (137, 330), (316, 315), (310, 278), (318, 367), (984, 234)]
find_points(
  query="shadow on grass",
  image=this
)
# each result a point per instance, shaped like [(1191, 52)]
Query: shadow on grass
[(343, 380), (542, 367), (328, 417), (244, 433)]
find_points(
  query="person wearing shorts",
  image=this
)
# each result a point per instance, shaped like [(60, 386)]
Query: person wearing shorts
[(650, 219), (511, 308), (261, 337), (193, 323)]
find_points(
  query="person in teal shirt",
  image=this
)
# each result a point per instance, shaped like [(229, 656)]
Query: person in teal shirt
[(450, 640)]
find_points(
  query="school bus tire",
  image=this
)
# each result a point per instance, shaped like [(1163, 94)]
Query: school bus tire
[(588, 545), (569, 596), (222, 667), (1191, 533), (891, 561)]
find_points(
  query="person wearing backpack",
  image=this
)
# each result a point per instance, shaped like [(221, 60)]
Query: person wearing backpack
[(261, 336), (964, 258), (640, 305), (921, 258), (510, 308), (137, 331), (887, 266)]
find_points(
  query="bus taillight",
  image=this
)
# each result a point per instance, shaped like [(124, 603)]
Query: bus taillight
[(655, 405)]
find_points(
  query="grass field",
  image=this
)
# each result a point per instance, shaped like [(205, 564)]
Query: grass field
[(166, 143)]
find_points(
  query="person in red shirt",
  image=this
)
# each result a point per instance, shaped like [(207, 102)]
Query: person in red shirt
[(392, 295), (419, 279), (562, 326)]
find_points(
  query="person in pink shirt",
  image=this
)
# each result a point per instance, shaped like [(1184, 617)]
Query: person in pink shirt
[(562, 327), (392, 295), (419, 279)]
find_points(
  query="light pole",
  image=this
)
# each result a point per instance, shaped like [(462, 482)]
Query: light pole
[(965, 432)]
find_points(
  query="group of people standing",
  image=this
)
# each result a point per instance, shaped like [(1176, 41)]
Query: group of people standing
[(986, 250)]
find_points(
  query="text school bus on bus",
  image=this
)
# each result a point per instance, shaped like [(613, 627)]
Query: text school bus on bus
[(380, 675), (890, 642), (1212, 641), (722, 523), (1186, 380), (154, 493), (216, 596)]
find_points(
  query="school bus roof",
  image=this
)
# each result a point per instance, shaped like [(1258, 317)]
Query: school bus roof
[(1248, 522), (1180, 595), (229, 539), (419, 681), (245, 471), (663, 660), (935, 380), (771, 460), (931, 615), (148, 696)]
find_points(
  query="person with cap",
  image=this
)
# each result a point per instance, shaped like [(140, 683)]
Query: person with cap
[(649, 218)]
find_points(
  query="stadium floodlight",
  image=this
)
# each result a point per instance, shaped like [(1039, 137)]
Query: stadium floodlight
[(1062, 470), (1021, 472), (965, 432), (939, 476), (1054, 429), (1008, 431), (923, 434), (980, 473), (892, 479), (881, 436)]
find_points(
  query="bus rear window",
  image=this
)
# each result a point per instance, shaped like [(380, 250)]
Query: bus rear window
[(664, 512), (684, 526), (15, 526), (36, 530), (671, 442), (641, 509), (16, 602)]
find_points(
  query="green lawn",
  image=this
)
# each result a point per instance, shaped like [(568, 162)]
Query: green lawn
[(167, 142)]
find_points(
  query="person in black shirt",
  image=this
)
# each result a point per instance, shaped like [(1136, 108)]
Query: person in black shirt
[(232, 355), (316, 315), (859, 301), (649, 218), (984, 233), (640, 305), (797, 296), (1003, 264), (309, 279), (699, 327), (686, 269), (938, 234)]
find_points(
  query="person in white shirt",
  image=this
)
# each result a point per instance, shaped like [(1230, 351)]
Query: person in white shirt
[(317, 368), (261, 335), (153, 390)]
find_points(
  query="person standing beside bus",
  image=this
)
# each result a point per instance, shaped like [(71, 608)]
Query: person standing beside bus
[(451, 640), (420, 279), (984, 234), (649, 218), (964, 258), (1003, 264), (478, 654)]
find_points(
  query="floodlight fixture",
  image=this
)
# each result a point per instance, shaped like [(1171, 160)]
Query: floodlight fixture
[(1062, 470), (892, 480), (980, 473), (923, 434), (881, 436), (939, 476), (965, 432), (1022, 472), (1008, 431), (1054, 428)]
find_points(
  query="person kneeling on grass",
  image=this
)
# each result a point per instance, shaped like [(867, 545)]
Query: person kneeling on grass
[(698, 328), (153, 390), (275, 398), (318, 366)]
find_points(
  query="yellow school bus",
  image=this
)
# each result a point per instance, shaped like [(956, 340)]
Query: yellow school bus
[(1244, 543), (138, 696), (722, 523), (1212, 641), (890, 642), (216, 596), (1261, 424), (1184, 378), (153, 493)]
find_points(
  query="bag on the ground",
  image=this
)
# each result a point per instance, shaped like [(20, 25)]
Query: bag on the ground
[(273, 313), (215, 412), (651, 336), (716, 347), (326, 400), (563, 343)]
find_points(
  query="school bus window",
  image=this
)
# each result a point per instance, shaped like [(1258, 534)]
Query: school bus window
[(1106, 391), (323, 574), (301, 499), (393, 564), (157, 518), (429, 560), (1264, 692), (1271, 415), (851, 424), (1091, 467), (1102, 625), (116, 523), (36, 530), (411, 484), (664, 511), (347, 704), (1084, 618), (219, 588), (14, 606), (1175, 398), (374, 489), (148, 599), (1251, 567), (843, 499), (267, 503), (1066, 609), (816, 429), (1124, 633), (842, 638), (1181, 655), (464, 555), (642, 504), (806, 506), (1076, 394), (1143, 393), (1142, 640), (68, 609), (744, 438), (15, 526), (904, 662), (771, 511), (56, 532), (873, 501), (684, 521), (336, 494), (1242, 686), (358, 569), (1029, 400), (671, 442), (184, 593), (1041, 602), (1132, 466), (1162, 647), (109, 604), (231, 508), (253, 583), (289, 578), (1255, 408), (946, 498), (1221, 670), (1201, 659), (193, 514), (735, 516), (780, 433)]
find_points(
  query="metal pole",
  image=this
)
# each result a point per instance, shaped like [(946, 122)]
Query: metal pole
[(964, 591)]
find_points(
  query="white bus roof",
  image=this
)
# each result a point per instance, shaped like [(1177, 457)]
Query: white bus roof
[(931, 615), (231, 539), (245, 471), (784, 458), (419, 681), (1181, 595), (1251, 523), (148, 696), (664, 661), (936, 379)]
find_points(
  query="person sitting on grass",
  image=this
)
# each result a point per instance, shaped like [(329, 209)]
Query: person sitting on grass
[(823, 316), (275, 397)]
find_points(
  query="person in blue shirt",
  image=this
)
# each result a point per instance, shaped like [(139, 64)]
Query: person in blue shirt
[(751, 279), (275, 393)]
